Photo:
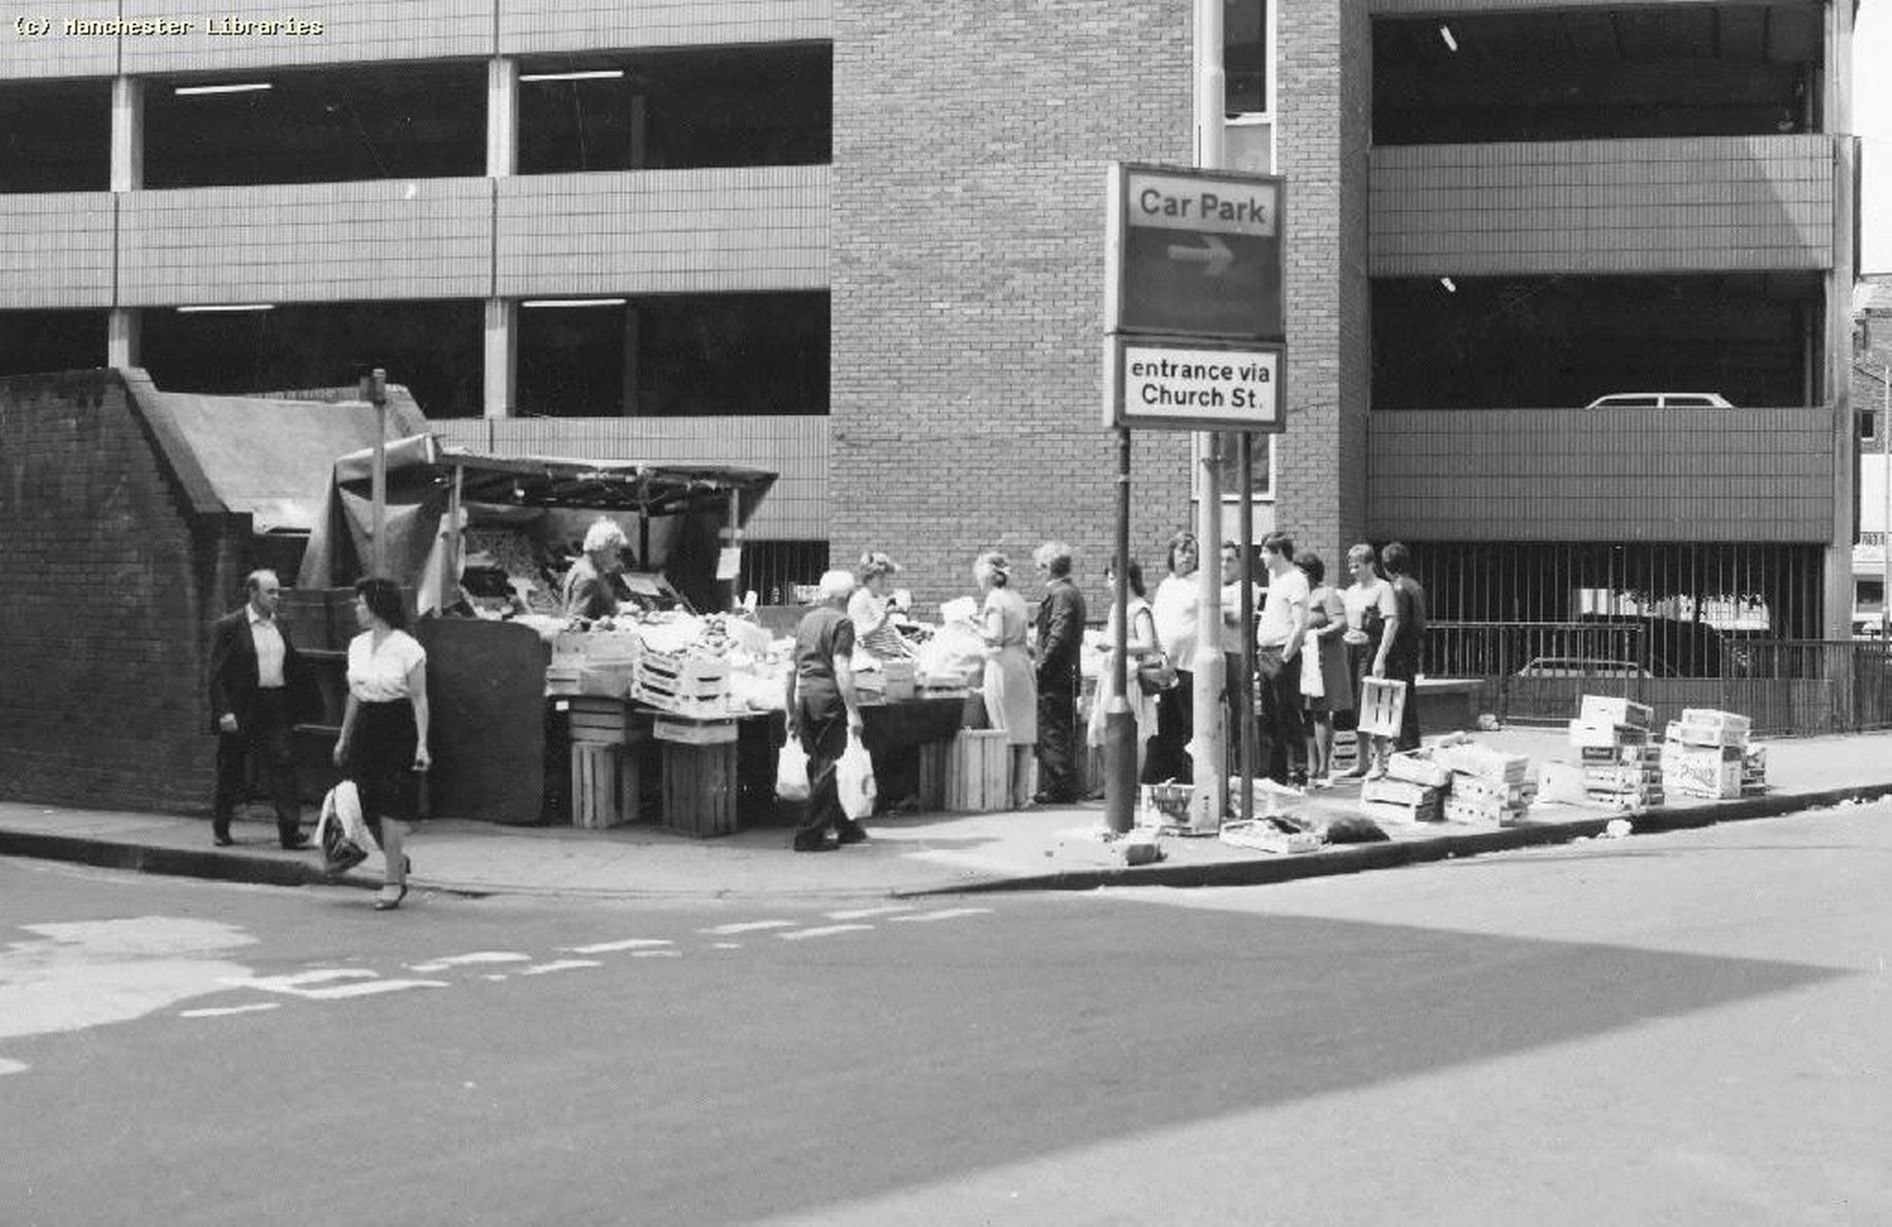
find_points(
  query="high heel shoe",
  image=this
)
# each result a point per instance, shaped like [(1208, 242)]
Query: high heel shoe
[(388, 905)]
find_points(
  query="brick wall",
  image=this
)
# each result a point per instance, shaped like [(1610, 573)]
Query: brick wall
[(103, 633), (1325, 115), (968, 211)]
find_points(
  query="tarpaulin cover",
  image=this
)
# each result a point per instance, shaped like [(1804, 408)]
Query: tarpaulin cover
[(676, 509), (269, 457)]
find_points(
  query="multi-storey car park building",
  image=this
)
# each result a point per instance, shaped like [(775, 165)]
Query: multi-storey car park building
[(862, 244)]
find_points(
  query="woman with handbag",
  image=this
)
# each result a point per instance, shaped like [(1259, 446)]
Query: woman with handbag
[(1150, 673), (383, 743)]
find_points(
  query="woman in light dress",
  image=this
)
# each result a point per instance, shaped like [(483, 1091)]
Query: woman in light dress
[(1140, 643), (1326, 686), (1011, 685), (1174, 608), (1369, 603)]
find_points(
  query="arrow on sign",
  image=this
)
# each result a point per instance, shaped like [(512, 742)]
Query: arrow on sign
[(1214, 255)]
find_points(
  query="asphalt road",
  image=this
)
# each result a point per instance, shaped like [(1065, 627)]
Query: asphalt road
[(1686, 1028)]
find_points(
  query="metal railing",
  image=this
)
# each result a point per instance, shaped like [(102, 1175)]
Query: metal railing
[(1537, 673)]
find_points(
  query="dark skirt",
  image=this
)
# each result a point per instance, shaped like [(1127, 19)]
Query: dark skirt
[(381, 762)]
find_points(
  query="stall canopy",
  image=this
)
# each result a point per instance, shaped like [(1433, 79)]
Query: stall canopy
[(266, 456), (675, 516)]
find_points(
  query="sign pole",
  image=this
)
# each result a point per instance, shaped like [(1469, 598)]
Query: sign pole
[(1210, 745), (1245, 707), (1120, 729), (374, 389)]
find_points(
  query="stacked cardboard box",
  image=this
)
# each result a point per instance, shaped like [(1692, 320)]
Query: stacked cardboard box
[(1620, 767), (1704, 754), (1487, 787), (1754, 770), (1402, 800)]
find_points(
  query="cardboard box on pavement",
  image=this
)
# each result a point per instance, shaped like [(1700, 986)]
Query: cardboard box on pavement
[(1607, 709)]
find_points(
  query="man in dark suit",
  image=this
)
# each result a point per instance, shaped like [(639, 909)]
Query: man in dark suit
[(1060, 643), (254, 673)]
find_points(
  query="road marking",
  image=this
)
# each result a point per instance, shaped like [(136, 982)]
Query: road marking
[(225, 1011), (299, 982), (725, 945), (461, 960), (12, 1067), (748, 926), (862, 913), (371, 988), (656, 954), (633, 943), (951, 913), (823, 931), (540, 969), (494, 975)]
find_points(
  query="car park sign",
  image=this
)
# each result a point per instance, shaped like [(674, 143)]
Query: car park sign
[(1195, 253)]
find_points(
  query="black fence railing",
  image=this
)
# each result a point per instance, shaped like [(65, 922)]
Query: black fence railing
[(1537, 673)]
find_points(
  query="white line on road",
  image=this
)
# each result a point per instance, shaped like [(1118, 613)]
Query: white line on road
[(370, 988), (461, 960), (298, 982), (539, 969), (823, 931), (12, 1067), (494, 975), (656, 954), (725, 945), (862, 913), (224, 1011), (951, 913), (748, 926), (633, 943)]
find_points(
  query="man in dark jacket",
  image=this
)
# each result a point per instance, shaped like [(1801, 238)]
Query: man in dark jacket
[(1060, 641), (255, 672)]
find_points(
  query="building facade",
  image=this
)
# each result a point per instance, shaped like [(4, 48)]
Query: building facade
[(863, 244)]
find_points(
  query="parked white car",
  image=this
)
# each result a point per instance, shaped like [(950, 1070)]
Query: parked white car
[(1661, 400)]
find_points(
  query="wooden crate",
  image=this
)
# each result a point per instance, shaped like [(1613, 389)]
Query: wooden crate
[(596, 719), (689, 732), (684, 685), (700, 788), (978, 772), (604, 785), (934, 756), (1382, 706)]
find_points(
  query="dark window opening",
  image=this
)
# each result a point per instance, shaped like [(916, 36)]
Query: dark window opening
[(38, 342), (1868, 425), (1563, 342), (56, 137), (1592, 73), (1869, 592), (752, 106), (435, 349), (392, 121), (713, 355), (1245, 56)]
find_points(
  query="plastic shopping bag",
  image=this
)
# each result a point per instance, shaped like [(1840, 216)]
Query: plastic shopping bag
[(791, 773), (1312, 685), (343, 848), (854, 775)]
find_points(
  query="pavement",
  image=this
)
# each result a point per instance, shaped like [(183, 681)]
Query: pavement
[(1052, 848)]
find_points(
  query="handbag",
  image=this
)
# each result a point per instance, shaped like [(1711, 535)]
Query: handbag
[(1155, 673), (340, 850)]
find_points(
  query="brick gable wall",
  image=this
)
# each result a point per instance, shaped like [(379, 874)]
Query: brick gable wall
[(103, 629)]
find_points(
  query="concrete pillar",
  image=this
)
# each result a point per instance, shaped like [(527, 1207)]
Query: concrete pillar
[(502, 118), (123, 336), (1837, 358), (128, 134), (502, 357)]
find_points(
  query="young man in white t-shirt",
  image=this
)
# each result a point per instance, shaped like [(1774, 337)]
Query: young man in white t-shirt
[(1282, 724)]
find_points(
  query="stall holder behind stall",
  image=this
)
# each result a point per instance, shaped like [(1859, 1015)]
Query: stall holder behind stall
[(484, 537)]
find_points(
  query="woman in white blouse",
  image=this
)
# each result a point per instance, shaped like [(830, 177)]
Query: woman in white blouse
[(383, 745)]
